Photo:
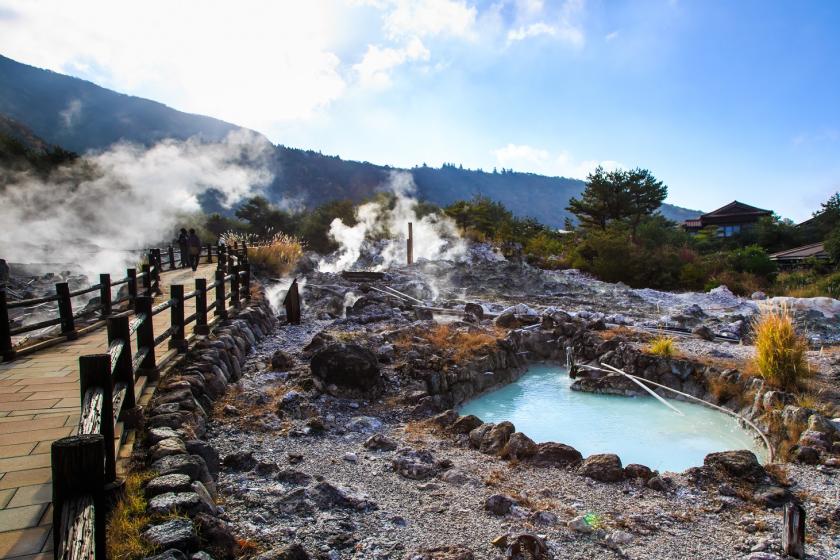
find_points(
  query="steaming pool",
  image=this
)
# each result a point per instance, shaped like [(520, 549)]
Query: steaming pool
[(641, 430)]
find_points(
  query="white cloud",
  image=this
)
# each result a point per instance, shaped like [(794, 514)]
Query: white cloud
[(253, 62), (521, 157), (70, 115), (375, 68), (533, 30), (422, 18), (611, 36), (562, 24)]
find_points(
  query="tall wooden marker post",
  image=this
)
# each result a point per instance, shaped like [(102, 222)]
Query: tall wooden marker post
[(410, 244)]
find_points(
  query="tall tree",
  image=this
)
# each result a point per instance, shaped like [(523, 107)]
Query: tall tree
[(616, 196)]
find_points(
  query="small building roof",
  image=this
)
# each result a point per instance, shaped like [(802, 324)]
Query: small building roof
[(816, 250), (736, 208)]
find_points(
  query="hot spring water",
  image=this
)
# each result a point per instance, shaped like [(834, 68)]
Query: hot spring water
[(642, 430)]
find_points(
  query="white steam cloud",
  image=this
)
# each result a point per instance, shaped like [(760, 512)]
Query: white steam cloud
[(435, 236), (94, 211)]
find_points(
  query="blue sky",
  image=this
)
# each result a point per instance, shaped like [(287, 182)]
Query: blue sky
[(721, 100)]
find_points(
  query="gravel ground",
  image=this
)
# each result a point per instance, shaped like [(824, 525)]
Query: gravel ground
[(372, 512)]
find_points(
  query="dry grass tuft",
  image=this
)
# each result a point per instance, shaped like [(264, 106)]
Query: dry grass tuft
[(128, 520), (458, 344), (275, 254), (723, 390), (495, 478), (779, 350), (625, 332), (663, 346)]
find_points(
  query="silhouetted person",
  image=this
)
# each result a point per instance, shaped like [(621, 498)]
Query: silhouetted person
[(184, 247), (195, 249)]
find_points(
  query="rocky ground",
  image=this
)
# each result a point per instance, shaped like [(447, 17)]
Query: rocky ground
[(311, 470)]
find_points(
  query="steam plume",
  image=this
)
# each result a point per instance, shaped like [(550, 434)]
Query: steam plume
[(435, 236), (128, 197)]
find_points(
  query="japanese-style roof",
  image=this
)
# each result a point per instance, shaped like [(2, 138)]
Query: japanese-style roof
[(816, 250), (736, 208)]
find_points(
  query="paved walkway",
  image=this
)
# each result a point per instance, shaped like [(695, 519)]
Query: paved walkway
[(39, 403)]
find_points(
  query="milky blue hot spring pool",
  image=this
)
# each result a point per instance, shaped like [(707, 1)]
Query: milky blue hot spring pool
[(638, 429)]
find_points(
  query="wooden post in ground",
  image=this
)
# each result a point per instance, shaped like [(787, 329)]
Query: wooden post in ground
[(209, 253), (793, 535), (220, 293), (65, 311), (76, 472), (220, 258), (5, 327), (131, 273), (98, 414), (171, 252), (410, 243), (123, 371), (105, 294), (147, 279), (201, 307), (178, 338), (146, 338), (292, 304), (246, 281), (234, 286)]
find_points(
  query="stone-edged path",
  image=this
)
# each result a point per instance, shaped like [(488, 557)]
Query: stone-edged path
[(39, 403)]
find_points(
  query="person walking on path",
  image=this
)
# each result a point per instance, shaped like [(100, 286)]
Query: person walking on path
[(195, 249), (184, 247)]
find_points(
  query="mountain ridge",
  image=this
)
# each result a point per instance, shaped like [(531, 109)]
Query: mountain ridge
[(57, 108)]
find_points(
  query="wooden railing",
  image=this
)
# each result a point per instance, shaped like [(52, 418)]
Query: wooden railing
[(146, 282), (84, 466)]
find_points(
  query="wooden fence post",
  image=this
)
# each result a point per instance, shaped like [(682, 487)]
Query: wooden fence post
[(178, 338), (410, 243), (220, 257), (147, 279), (156, 272), (201, 307), (131, 273), (171, 251), (95, 372), (793, 536), (292, 304), (230, 261), (65, 311), (146, 337), (105, 294), (247, 281), (220, 293), (77, 470), (123, 370), (209, 253), (5, 327), (234, 286)]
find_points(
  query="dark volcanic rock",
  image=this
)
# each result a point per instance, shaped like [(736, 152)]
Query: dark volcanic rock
[(178, 533), (449, 552), (287, 552), (171, 554), (499, 504), (474, 309), (327, 496), (168, 483), (281, 361), (380, 442), (805, 454), (552, 454), (466, 424), (217, 536), (347, 365), (738, 464), (519, 446), (240, 461), (491, 438), (190, 465), (414, 464), (638, 471), (604, 467)]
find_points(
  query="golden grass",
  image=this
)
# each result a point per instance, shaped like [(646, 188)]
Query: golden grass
[(128, 520), (663, 346), (458, 344), (779, 349), (275, 254), (723, 390)]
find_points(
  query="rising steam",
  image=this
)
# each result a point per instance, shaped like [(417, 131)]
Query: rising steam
[(435, 236), (93, 212)]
